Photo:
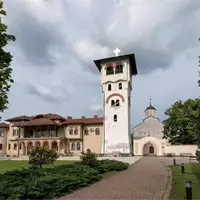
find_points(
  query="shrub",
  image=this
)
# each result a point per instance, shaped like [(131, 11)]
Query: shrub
[(198, 155), (110, 165), (89, 158), (46, 183), (40, 156)]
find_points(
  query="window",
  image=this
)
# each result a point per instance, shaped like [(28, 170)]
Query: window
[(120, 86), (76, 132), (117, 102), (115, 118), (14, 132), (97, 131), (86, 132), (109, 70), (1, 133), (119, 69), (9, 147), (71, 131), (15, 146), (109, 87), (78, 146), (1, 146), (112, 103), (73, 146)]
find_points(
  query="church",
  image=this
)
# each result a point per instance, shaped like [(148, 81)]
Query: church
[(148, 138)]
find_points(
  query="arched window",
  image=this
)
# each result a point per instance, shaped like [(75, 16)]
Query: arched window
[(86, 132), (109, 87), (76, 132), (115, 118), (78, 146), (97, 131), (109, 70), (71, 131), (117, 102), (112, 103), (120, 86), (73, 146), (119, 69)]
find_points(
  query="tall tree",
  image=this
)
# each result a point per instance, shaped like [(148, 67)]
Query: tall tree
[(5, 61), (181, 125)]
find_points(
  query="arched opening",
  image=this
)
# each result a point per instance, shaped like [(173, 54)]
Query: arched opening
[(29, 147), (46, 145), (119, 69), (117, 102), (149, 149), (37, 144), (120, 86), (73, 146), (86, 132), (76, 132), (78, 146), (112, 103), (109, 87), (109, 70), (115, 118), (54, 145), (71, 131), (97, 131)]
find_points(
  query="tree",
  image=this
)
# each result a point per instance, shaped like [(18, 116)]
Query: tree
[(182, 122), (5, 61), (41, 155)]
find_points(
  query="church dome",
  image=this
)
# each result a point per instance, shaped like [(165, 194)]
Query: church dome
[(150, 107)]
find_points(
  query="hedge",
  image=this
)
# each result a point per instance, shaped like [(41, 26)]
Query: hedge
[(47, 183)]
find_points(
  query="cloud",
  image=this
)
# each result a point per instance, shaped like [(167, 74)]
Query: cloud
[(57, 41)]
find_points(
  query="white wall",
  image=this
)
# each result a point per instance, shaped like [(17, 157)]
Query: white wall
[(178, 149)]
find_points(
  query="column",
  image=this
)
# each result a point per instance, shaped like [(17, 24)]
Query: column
[(58, 142), (26, 146)]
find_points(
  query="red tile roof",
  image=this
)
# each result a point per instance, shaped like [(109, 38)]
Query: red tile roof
[(4, 125), (98, 120), (19, 118), (37, 122)]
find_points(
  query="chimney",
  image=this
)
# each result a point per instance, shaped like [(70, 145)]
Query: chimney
[(95, 116), (83, 117)]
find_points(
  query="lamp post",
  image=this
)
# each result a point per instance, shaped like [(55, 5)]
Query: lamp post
[(188, 190)]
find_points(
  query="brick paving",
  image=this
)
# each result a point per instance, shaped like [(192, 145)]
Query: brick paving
[(145, 180)]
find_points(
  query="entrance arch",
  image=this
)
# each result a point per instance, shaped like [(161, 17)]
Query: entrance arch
[(149, 149)]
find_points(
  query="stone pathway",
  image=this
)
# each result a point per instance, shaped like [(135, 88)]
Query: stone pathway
[(145, 180)]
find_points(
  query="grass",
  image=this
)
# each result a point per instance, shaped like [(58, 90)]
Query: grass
[(8, 165), (178, 181)]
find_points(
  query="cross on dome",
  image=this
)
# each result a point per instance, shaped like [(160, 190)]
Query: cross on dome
[(116, 52)]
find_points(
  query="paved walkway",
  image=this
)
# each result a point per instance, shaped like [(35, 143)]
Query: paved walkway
[(145, 180)]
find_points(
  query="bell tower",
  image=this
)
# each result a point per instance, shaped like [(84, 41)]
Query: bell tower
[(116, 81)]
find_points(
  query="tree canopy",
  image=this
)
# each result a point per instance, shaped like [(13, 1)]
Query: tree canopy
[(5, 61), (183, 122)]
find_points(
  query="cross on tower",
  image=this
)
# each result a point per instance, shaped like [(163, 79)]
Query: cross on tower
[(150, 101), (116, 52)]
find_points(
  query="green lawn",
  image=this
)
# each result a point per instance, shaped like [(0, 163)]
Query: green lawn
[(8, 165), (178, 181)]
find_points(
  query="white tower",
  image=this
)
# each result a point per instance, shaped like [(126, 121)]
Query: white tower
[(116, 80)]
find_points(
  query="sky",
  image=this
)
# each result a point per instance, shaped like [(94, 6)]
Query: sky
[(57, 41)]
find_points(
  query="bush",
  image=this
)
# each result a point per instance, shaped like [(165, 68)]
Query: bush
[(110, 165), (40, 156), (46, 183), (198, 155), (89, 158)]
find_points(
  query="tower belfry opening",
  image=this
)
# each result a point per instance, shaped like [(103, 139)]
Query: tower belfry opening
[(116, 80)]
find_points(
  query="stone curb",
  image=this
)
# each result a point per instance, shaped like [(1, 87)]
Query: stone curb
[(167, 192)]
